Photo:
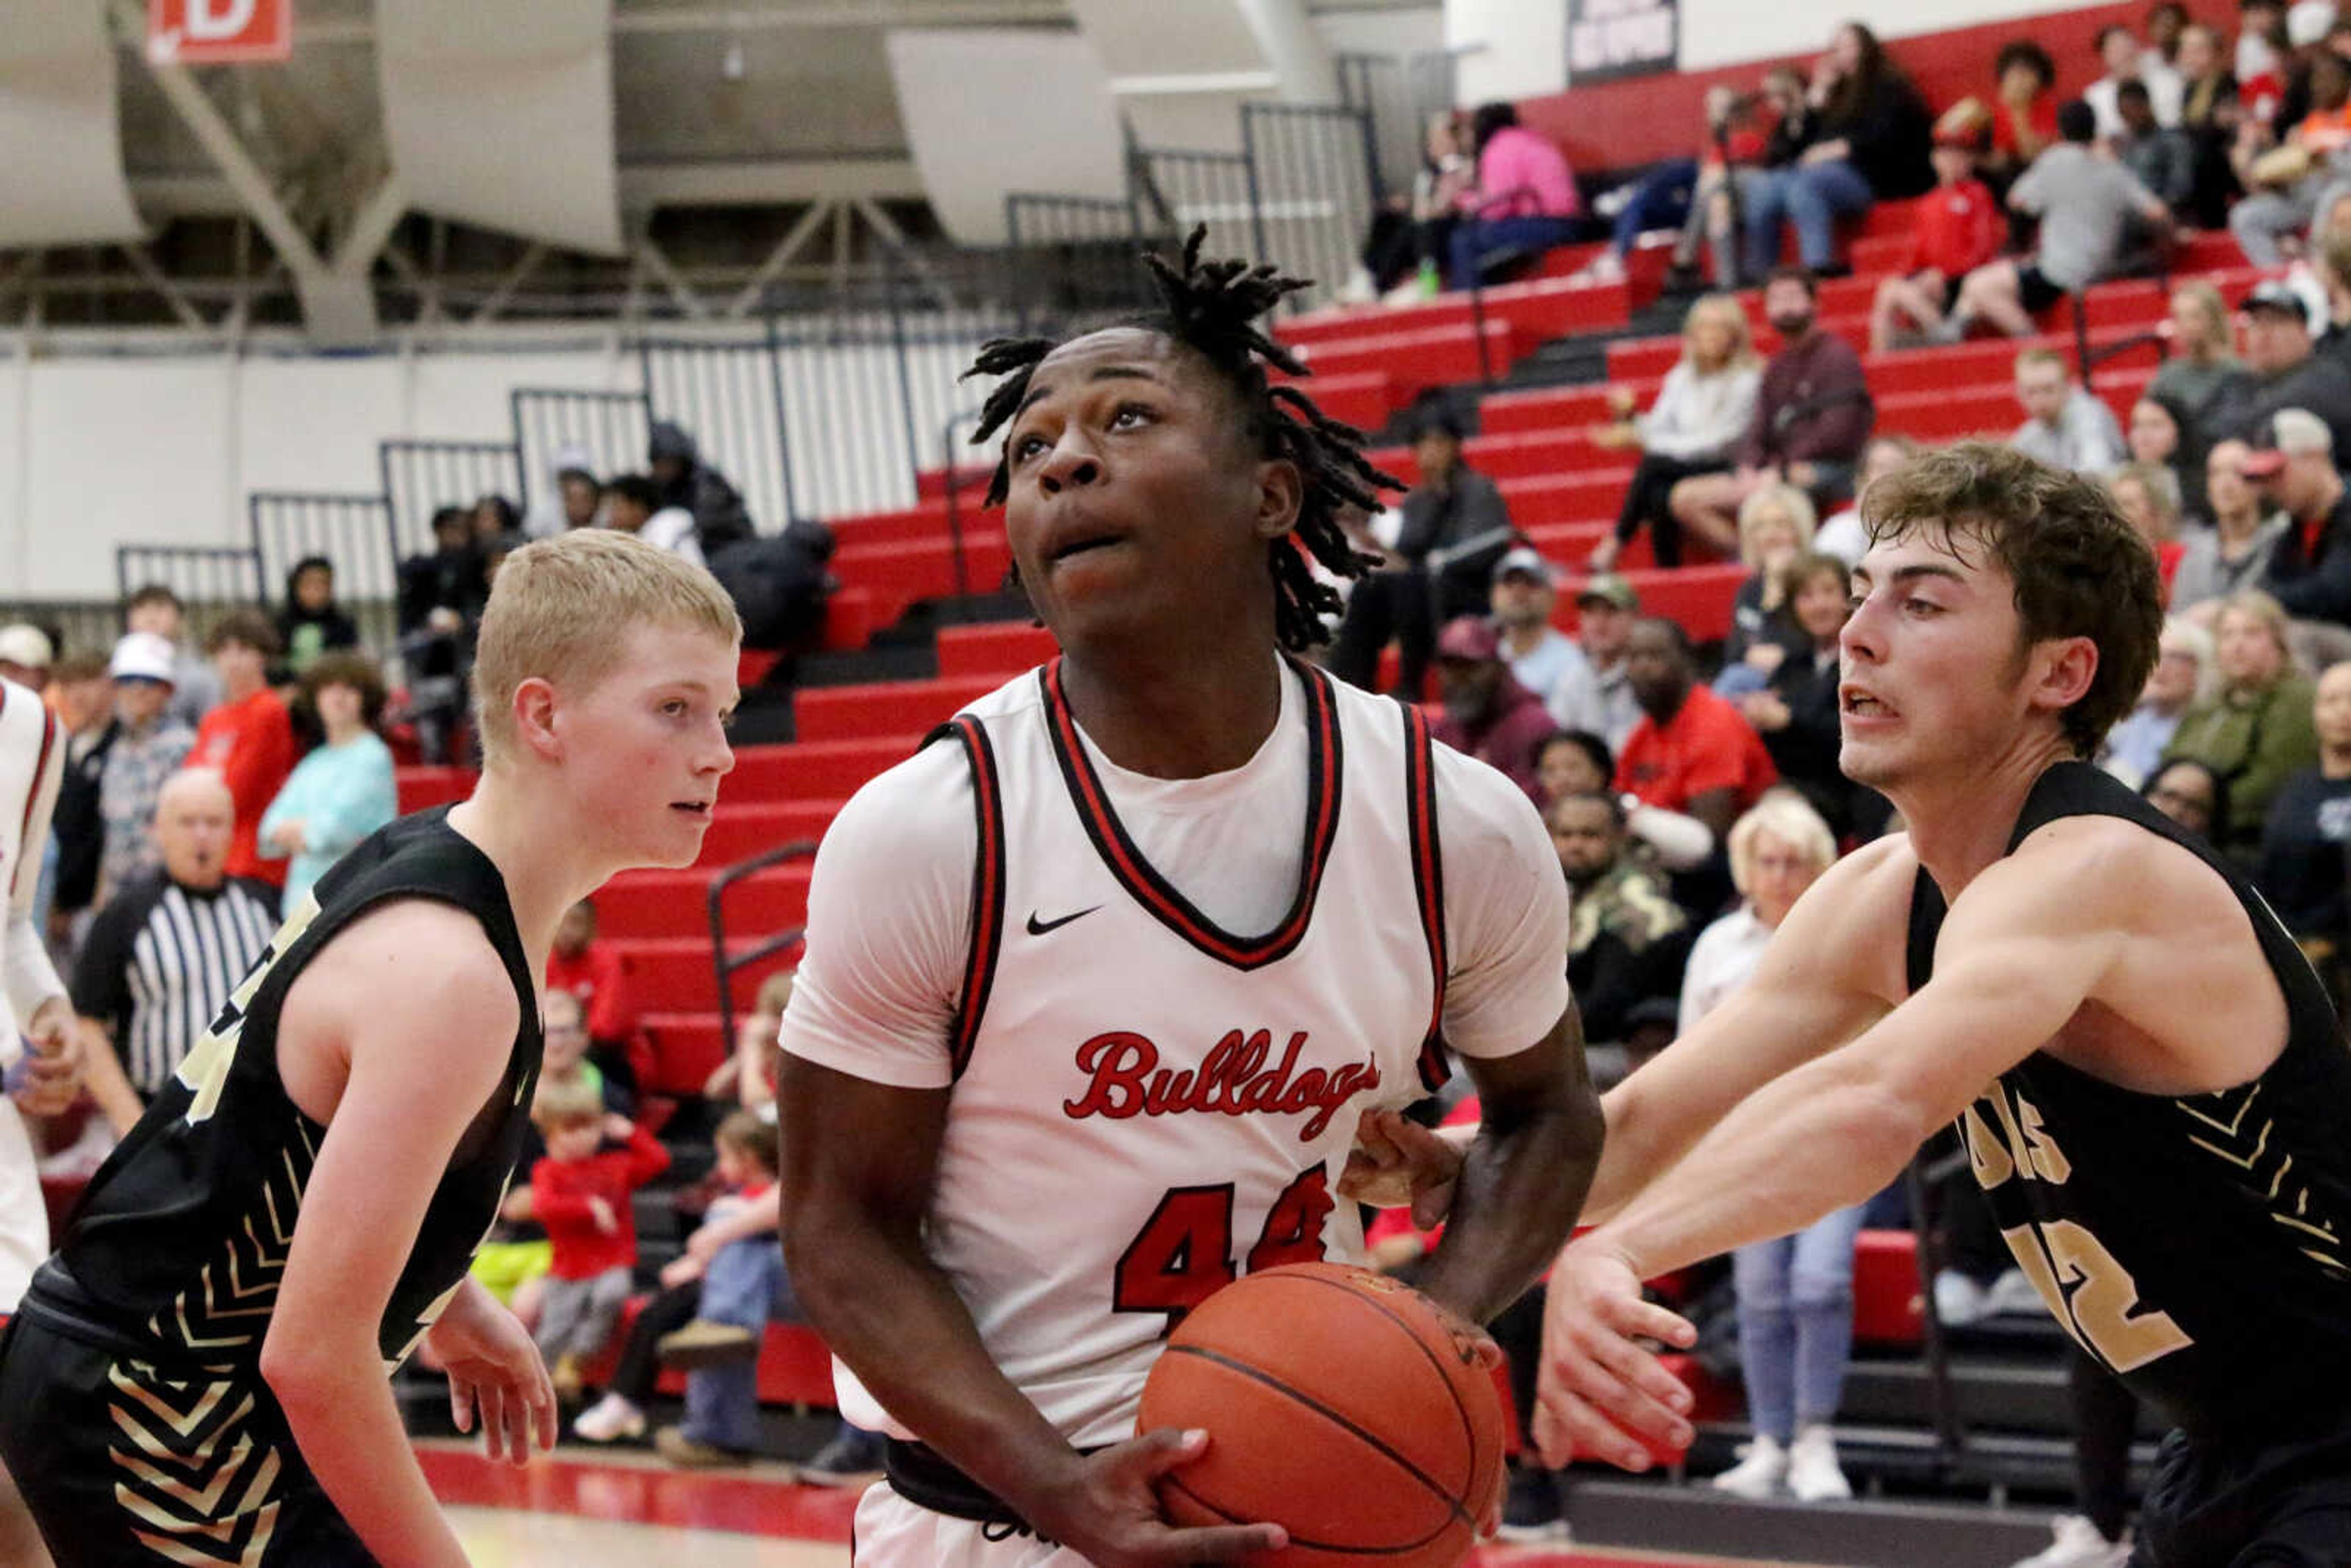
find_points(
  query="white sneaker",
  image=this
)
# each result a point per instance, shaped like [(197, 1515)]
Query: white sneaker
[(2079, 1545), (1813, 1472), (1959, 1300), (609, 1420), (1605, 268), (1360, 288), (2013, 1293), (1757, 1477)]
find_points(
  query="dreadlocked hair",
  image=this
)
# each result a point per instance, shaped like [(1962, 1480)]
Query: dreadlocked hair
[(1212, 308)]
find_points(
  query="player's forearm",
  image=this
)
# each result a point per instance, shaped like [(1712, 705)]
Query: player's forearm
[(339, 1409), (1522, 1184), (895, 1321)]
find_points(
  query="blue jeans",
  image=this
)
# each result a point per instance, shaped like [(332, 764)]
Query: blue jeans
[(1813, 196), (1477, 242), (1795, 1323), (744, 1285), (1661, 201)]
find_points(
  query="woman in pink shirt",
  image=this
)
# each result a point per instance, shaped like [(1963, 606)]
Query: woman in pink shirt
[(1525, 201)]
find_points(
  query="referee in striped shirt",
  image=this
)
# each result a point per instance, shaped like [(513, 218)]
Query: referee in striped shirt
[(162, 956)]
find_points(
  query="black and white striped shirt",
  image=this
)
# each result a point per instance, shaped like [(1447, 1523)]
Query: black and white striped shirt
[(160, 962)]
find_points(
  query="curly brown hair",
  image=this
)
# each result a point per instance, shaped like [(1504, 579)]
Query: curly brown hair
[(342, 667), (2079, 568)]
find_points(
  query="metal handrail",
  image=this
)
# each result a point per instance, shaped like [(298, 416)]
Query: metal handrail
[(724, 963)]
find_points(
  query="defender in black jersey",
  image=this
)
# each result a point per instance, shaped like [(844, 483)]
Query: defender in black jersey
[(2149, 1079), (200, 1375)]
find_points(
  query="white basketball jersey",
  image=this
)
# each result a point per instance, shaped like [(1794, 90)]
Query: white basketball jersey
[(1146, 1107)]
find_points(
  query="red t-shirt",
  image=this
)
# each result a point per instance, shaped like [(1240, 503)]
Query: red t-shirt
[(250, 743), (559, 1191), (1709, 745), (597, 978), (2041, 115), (1954, 229)]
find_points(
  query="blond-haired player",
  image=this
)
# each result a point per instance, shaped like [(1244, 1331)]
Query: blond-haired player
[(200, 1373)]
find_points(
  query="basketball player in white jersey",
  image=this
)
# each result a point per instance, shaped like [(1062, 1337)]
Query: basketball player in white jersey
[(1099, 984), (2148, 1077)]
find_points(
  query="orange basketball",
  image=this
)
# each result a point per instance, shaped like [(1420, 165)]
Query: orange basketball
[(1338, 1406)]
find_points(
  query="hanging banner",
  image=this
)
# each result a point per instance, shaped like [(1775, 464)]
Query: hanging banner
[(213, 32), (1611, 38)]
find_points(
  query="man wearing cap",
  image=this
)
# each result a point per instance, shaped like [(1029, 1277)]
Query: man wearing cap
[(1596, 697), (25, 656), (149, 747), (2282, 371), (1487, 714), (1539, 653), (2309, 569)]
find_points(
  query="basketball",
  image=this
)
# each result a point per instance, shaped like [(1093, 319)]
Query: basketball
[(1337, 1406)]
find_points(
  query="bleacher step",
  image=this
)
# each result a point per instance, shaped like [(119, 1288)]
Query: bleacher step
[(1656, 1515)]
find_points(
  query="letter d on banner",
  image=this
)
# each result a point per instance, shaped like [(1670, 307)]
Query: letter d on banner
[(213, 32)]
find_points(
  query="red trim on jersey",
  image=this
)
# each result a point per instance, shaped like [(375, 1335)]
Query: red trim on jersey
[(28, 852), (1135, 874), (1427, 883), (986, 888)]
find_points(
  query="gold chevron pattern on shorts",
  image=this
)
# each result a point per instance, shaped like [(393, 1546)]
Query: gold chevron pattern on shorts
[(197, 1487), (2231, 1127), (227, 1309)]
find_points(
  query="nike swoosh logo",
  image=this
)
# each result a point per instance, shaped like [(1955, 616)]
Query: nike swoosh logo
[(1039, 927)]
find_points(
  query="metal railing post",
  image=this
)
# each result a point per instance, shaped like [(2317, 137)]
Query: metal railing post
[(725, 964)]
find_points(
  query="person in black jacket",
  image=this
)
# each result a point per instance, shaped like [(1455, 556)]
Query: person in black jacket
[(719, 516), (310, 622), (1797, 713), (1455, 527), (1869, 144), (2309, 570)]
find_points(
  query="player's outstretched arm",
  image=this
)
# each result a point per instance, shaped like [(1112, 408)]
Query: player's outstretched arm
[(399, 1032), (859, 1161), (2028, 941)]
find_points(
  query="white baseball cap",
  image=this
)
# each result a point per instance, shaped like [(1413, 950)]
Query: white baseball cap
[(25, 644), (142, 657)]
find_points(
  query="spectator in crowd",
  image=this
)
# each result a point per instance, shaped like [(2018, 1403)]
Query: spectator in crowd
[(514, 1261), (2159, 156), (2208, 116), (2065, 424), (582, 496), (169, 948), (156, 611), (2148, 495), (310, 622), (2153, 435), (85, 691), (2166, 25), (25, 655), (592, 969), (2235, 551), (1752, 137), (1525, 201), (441, 596), (2128, 62), (1702, 412), (2254, 732), (1627, 939), (1598, 698), (495, 518), (1798, 712), (2091, 210), (1404, 254), (1844, 535), (1526, 587), (2024, 116), (2309, 567), (1794, 1295), (2303, 870), (342, 791), (718, 1292), (1812, 416), (1572, 762), (1488, 713), (2202, 377), (748, 1076), (2289, 183), (1955, 229), (248, 738), (2183, 673), (684, 479), (1668, 197), (149, 744), (1775, 527), (2262, 61), (634, 504), (1869, 145), (2282, 371), (1692, 752), (580, 1191), (1454, 527)]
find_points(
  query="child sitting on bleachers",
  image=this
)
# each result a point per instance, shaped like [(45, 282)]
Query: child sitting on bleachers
[(715, 1301), (590, 968), (582, 1197)]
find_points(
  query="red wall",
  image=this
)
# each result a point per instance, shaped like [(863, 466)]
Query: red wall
[(1614, 125)]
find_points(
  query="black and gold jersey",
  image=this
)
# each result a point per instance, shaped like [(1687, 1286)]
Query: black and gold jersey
[(2199, 1246), (177, 1249)]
